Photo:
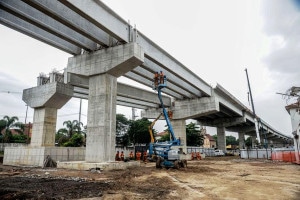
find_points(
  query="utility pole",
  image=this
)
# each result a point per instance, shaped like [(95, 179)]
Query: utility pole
[(253, 110), (80, 110)]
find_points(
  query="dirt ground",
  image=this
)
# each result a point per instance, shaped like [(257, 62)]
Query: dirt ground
[(211, 178)]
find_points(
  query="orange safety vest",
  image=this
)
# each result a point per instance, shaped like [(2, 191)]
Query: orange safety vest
[(131, 155), (138, 155)]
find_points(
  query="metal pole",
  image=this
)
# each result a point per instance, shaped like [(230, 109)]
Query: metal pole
[(26, 125), (80, 111), (252, 104)]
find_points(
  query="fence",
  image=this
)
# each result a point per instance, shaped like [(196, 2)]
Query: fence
[(206, 151), (280, 154), (3, 145)]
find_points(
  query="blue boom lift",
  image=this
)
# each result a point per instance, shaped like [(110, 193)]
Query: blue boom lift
[(165, 155)]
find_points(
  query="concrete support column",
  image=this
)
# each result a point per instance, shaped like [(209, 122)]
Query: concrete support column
[(242, 140), (101, 122), (44, 127), (221, 138), (180, 132)]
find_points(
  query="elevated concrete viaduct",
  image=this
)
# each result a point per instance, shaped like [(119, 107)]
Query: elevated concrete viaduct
[(104, 47)]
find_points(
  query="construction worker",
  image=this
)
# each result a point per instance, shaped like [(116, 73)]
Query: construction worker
[(145, 156), (117, 157), (131, 155), (161, 77), (192, 155), (138, 155), (170, 114), (156, 79), (198, 155), (122, 156)]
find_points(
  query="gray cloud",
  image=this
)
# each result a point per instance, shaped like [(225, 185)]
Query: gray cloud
[(282, 23)]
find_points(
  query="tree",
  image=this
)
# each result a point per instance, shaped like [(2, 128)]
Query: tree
[(248, 142), (231, 140), (138, 131), (165, 137), (75, 141), (193, 136), (122, 124), (69, 136), (8, 123), (71, 128)]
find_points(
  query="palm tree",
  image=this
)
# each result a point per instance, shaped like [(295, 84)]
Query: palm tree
[(8, 123), (71, 128)]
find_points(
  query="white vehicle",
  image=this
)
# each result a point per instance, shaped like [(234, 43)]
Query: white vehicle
[(219, 153)]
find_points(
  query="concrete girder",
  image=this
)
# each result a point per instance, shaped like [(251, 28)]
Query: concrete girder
[(194, 108), (120, 103), (225, 122), (71, 19), (26, 28), (152, 113), (52, 95), (102, 16), (146, 82), (225, 101), (35, 17), (137, 102), (123, 90), (148, 75), (244, 129), (116, 61), (157, 55), (153, 67)]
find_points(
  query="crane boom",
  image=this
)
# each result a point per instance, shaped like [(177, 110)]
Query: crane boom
[(151, 126)]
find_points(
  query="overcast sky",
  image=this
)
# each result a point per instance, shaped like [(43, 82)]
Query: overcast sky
[(215, 39)]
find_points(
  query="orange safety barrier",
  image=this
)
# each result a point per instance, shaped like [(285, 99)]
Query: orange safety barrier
[(286, 156)]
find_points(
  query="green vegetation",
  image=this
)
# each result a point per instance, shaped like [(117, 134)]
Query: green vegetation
[(193, 136), (73, 135), (7, 124)]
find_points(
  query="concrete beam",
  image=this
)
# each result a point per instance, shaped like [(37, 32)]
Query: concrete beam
[(37, 18), (120, 103), (69, 18), (26, 28), (194, 108), (224, 122), (227, 102), (153, 67), (148, 75), (116, 61), (102, 16), (123, 90), (52, 95), (146, 82), (245, 129), (157, 55)]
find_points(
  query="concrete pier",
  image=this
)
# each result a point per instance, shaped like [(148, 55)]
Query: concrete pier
[(221, 138)]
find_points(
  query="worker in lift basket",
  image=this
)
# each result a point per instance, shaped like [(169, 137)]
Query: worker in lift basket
[(156, 79), (161, 77)]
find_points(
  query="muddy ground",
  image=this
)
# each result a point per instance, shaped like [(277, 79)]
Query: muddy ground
[(211, 178)]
